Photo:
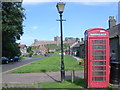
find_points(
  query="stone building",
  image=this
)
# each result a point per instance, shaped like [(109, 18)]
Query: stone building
[(38, 43), (71, 39), (42, 48), (57, 38), (114, 33), (79, 47)]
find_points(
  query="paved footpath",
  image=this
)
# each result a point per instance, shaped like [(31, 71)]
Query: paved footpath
[(28, 78)]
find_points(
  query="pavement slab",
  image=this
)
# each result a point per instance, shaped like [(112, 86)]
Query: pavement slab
[(29, 78)]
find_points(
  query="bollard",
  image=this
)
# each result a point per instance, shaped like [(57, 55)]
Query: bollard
[(72, 76)]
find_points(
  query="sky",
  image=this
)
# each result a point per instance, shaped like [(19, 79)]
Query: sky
[(41, 24)]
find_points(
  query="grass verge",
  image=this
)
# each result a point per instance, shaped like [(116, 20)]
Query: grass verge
[(67, 84), (80, 83), (51, 64)]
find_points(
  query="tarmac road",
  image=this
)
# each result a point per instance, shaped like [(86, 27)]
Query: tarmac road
[(12, 65)]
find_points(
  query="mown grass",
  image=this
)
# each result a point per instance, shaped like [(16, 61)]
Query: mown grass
[(67, 84), (51, 64)]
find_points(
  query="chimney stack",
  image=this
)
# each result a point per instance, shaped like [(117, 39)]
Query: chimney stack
[(112, 21)]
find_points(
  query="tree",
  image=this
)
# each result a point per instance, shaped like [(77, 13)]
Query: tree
[(29, 50), (12, 28), (65, 45)]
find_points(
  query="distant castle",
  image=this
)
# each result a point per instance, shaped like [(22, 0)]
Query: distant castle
[(57, 40)]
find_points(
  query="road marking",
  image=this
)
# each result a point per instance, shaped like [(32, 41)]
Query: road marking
[(15, 68)]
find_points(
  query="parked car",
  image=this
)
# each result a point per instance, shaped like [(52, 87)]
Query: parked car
[(16, 58), (45, 54), (5, 60), (11, 59)]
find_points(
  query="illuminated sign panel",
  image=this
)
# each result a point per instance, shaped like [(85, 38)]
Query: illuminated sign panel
[(101, 34)]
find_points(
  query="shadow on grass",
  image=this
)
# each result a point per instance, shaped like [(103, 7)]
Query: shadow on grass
[(79, 82), (44, 71)]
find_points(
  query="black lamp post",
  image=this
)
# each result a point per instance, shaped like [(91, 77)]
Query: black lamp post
[(60, 7)]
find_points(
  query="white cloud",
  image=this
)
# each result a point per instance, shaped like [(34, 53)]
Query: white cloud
[(34, 27)]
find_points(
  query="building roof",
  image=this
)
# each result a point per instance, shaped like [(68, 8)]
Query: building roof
[(36, 50), (114, 31), (43, 48), (77, 44), (22, 46)]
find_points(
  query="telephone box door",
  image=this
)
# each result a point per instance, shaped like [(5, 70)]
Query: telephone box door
[(98, 62)]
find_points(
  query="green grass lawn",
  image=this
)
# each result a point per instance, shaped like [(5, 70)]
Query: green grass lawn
[(67, 84), (51, 64)]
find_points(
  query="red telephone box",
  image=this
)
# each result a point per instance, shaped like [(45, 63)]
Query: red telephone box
[(96, 58)]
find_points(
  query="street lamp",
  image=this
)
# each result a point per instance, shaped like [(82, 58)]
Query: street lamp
[(60, 7)]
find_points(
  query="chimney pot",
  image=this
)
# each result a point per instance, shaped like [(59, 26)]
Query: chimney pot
[(112, 21)]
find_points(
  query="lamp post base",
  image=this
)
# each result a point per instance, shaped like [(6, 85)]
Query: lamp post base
[(62, 75)]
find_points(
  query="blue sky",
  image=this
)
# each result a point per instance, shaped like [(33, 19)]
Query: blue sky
[(41, 24)]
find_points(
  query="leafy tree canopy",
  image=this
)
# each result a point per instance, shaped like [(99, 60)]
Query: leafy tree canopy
[(12, 28)]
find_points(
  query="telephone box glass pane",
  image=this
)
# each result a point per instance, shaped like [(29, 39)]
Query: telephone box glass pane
[(98, 78), (99, 57), (98, 52), (98, 47), (98, 73), (99, 63), (98, 42), (98, 68)]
